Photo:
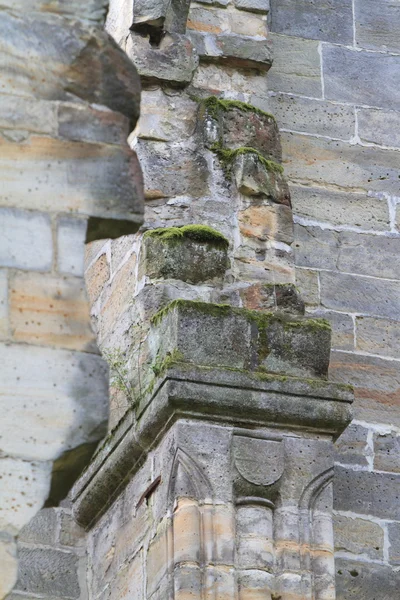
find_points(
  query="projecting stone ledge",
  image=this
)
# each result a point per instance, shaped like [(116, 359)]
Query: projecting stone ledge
[(211, 362)]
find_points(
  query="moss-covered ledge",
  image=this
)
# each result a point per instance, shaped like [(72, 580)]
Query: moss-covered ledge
[(198, 233)]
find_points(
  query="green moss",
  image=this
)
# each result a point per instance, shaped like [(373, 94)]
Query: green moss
[(170, 359), (213, 104), (198, 233), (217, 310), (228, 156)]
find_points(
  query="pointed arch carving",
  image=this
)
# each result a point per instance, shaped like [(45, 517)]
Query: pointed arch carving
[(186, 474)]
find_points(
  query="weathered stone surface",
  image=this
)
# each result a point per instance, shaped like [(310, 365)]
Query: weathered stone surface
[(261, 6), (296, 67), (337, 208), (379, 126), (308, 285), (311, 116), (329, 21), (316, 247), (3, 303), (394, 543), (92, 124), (369, 255), (151, 12), (26, 240), (233, 50), (175, 60), (352, 76), (9, 563), (266, 222), (375, 494), (51, 311), (42, 528), (218, 20), (186, 259), (355, 580), (70, 533), (169, 170), (37, 116), (256, 178), (368, 296), (378, 336), (96, 276), (352, 446), (377, 24), (58, 385), (376, 382), (71, 234), (358, 536), (387, 452), (317, 161), (167, 117), (48, 572), (285, 298), (342, 328)]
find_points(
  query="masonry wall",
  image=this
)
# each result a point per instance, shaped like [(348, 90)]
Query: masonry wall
[(334, 91)]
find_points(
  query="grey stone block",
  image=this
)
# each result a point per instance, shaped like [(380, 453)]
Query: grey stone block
[(377, 25), (366, 580), (315, 247), (367, 493), (311, 116), (369, 255), (70, 533), (357, 294), (378, 336), (387, 452), (48, 572), (253, 178), (340, 208), (358, 536), (361, 77), (71, 234), (257, 6), (296, 67), (42, 528), (394, 543), (327, 20), (93, 125), (342, 328), (379, 126), (352, 448), (376, 382), (317, 161), (307, 283)]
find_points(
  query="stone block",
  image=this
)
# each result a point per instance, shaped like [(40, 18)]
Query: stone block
[(310, 116), (369, 255), (340, 208), (38, 116), (27, 241), (71, 234), (157, 559), (129, 581), (187, 522), (213, 78), (257, 178), (394, 543), (254, 261), (171, 171), (166, 117), (48, 572), (4, 329), (96, 276), (329, 20), (361, 77), (80, 176), (352, 446), (258, 6), (42, 528), (174, 60), (357, 294), (9, 565), (379, 126), (377, 25), (51, 311), (119, 19), (70, 534), (285, 298), (342, 328), (368, 493), (387, 452), (239, 51), (57, 385), (296, 67), (358, 536), (378, 336), (367, 580), (192, 254), (211, 335), (318, 161), (315, 247), (266, 222), (90, 124), (376, 382), (308, 285)]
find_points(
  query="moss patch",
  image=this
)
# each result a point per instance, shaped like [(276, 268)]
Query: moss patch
[(213, 104), (228, 156), (197, 233)]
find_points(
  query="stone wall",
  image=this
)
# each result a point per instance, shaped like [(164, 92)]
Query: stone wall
[(333, 91), (68, 100)]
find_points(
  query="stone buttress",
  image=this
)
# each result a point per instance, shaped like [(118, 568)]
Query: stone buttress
[(216, 479)]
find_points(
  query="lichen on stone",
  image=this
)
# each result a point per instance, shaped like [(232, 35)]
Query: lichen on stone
[(197, 233)]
